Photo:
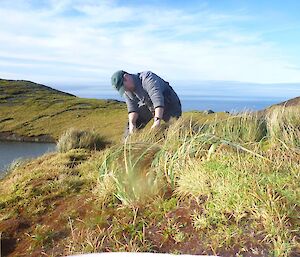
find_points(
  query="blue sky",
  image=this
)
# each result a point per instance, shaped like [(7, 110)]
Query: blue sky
[(72, 43)]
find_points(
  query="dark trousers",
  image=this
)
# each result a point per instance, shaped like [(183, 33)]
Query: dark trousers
[(145, 115)]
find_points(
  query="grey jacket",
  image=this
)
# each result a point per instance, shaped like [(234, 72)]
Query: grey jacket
[(152, 91)]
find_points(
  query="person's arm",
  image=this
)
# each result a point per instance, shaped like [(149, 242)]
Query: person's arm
[(132, 117), (154, 85), (159, 111), (132, 108)]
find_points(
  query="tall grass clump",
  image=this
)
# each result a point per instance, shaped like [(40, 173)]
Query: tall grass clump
[(284, 125), (129, 167), (75, 138), (243, 127)]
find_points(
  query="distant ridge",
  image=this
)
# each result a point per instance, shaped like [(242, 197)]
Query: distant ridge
[(291, 102), (25, 86)]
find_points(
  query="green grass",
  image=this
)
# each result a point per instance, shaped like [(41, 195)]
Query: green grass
[(204, 184), (233, 187)]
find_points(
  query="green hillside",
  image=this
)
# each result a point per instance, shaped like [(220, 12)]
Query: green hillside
[(34, 110)]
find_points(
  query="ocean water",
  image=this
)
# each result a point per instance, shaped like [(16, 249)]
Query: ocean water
[(213, 95), (225, 103), (216, 103)]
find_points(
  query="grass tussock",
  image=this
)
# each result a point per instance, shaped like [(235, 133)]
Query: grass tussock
[(75, 139), (230, 183), (283, 126)]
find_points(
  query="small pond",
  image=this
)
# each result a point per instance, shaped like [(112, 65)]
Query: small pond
[(10, 151)]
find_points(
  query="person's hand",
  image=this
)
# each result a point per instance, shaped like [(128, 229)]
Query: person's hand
[(156, 124), (132, 128)]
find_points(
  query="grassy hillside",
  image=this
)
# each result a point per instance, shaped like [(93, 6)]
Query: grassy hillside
[(33, 110), (227, 186), (38, 112), (291, 102), (204, 184)]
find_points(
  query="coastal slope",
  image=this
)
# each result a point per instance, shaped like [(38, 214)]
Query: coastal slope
[(34, 112), (227, 185), (290, 102)]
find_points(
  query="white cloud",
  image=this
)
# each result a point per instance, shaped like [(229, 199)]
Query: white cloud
[(88, 40)]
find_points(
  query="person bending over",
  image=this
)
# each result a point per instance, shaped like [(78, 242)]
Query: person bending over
[(147, 97)]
